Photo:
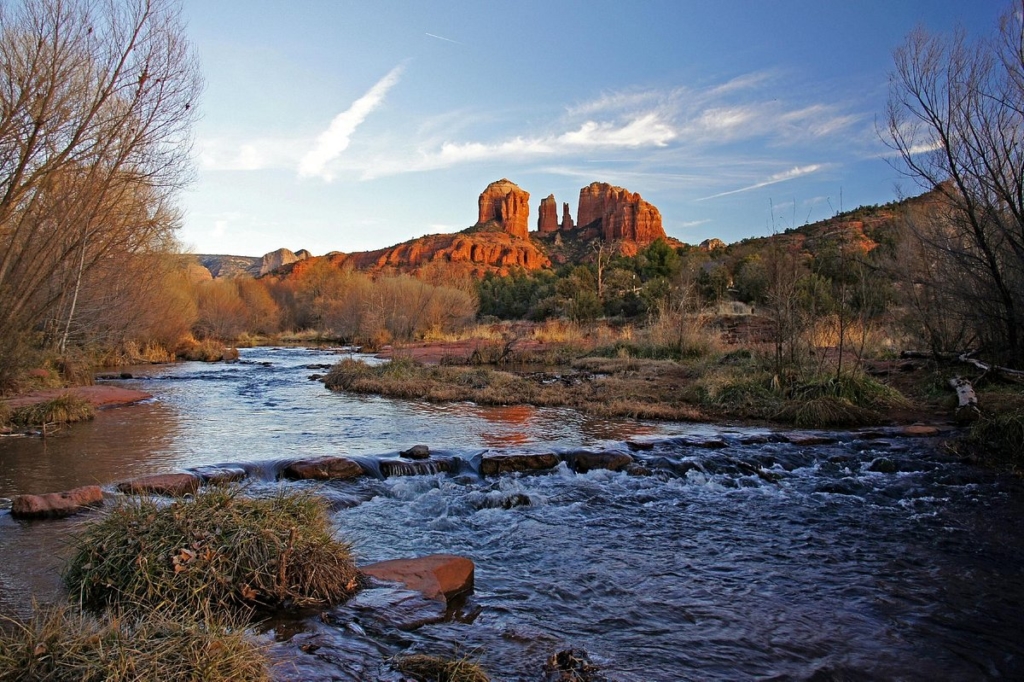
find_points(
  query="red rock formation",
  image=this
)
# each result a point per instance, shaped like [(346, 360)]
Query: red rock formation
[(712, 244), (547, 219), (567, 223), (618, 214), (505, 203), (476, 251)]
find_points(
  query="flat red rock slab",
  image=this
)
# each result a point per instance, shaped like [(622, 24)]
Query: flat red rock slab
[(492, 465), (921, 431), (98, 396), (323, 468), (171, 485), (437, 576), (56, 505)]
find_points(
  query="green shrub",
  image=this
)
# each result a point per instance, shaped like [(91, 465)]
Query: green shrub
[(998, 437), (64, 645), (217, 553)]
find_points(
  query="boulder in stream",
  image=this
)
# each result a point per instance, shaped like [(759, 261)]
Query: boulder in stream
[(583, 461), (492, 465), (56, 505), (323, 468), (436, 576), (416, 452)]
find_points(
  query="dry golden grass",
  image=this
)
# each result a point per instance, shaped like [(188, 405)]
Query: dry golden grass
[(219, 552), (426, 668), (63, 645)]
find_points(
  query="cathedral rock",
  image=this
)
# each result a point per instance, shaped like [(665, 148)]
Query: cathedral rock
[(505, 203), (618, 214)]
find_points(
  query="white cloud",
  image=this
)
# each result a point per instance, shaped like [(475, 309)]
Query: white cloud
[(333, 141), (792, 173), (643, 131)]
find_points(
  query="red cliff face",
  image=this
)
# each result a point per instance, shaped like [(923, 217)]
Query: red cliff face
[(505, 203), (547, 219), (618, 214)]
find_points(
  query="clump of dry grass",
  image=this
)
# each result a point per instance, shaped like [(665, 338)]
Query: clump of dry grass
[(62, 644), (64, 409), (207, 350), (826, 412), (219, 552), (426, 668)]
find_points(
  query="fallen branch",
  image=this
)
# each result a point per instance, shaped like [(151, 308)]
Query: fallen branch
[(967, 408), (1014, 375), (1005, 372)]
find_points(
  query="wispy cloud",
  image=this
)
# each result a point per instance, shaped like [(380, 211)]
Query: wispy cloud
[(447, 40), (792, 173), (333, 141)]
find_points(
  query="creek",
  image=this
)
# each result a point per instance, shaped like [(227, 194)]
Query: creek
[(865, 558)]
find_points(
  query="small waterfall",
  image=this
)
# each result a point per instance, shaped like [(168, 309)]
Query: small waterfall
[(418, 467)]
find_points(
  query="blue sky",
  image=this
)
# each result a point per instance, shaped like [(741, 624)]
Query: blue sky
[(348, 126)]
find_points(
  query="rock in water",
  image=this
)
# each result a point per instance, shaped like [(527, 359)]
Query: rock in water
[(437, 576), (56, 505), (416, 452)]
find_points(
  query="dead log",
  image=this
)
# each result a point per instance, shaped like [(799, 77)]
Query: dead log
[(1015, 375), (967, 408)]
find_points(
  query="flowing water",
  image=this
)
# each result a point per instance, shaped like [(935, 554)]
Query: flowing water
[(867, 558)]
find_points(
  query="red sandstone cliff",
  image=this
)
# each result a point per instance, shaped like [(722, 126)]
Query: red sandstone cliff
[(505, 203), (618, 214)]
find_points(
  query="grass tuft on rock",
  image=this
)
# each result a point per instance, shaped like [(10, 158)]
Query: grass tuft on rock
[(426, 668), (62, 644), (64, 409), (219, 552)]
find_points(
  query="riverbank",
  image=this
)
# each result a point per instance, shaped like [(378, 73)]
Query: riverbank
[(98, 396)]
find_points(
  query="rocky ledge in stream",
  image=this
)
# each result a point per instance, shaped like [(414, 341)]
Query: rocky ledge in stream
[(634, 458)]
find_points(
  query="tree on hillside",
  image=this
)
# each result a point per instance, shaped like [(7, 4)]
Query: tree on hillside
[(97, 98), (956, 120)]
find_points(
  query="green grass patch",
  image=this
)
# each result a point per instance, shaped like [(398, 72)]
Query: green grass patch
[(997, 438), (425, 668), (64, 645), (64, 409), (219, 552)]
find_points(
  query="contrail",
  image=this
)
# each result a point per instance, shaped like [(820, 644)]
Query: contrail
[(449, 40)]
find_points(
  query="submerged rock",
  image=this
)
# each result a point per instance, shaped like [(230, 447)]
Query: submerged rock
[(492, 465), (571, 665), (171, 485), (583, 461), (323, 468), (56, 505), (220, 474), (437, 576)]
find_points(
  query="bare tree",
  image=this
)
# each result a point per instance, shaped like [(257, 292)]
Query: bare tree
[(956, 120), (97, 99)]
